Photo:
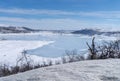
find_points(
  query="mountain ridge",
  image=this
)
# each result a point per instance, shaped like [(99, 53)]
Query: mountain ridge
[(89, 32)]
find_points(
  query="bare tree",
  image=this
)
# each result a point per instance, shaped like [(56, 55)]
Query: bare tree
[(92, 49), (25, 62)]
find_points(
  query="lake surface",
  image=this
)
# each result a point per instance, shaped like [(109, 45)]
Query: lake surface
[(61, 43)]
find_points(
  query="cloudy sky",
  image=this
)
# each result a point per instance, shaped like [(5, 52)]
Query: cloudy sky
[(61, 14)]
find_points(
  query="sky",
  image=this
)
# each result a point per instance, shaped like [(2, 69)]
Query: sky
[(61, 14)]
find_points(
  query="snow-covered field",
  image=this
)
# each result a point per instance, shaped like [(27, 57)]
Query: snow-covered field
[(11, 50), (42, 46), (95, 70)]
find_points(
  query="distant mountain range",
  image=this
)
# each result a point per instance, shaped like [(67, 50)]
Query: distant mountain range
[(89, 32), (12, 29)]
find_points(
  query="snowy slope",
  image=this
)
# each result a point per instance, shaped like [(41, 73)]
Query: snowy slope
[(10, 50), (95, 70), (13, 29)]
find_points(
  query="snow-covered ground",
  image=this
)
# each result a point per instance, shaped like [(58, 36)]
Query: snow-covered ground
[(11, 50), (43, 46), (91, 70)]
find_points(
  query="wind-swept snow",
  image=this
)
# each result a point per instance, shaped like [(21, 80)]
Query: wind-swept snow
[(95, 70), (11, 50)]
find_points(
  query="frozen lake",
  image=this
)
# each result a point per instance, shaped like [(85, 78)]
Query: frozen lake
[(60, 45)]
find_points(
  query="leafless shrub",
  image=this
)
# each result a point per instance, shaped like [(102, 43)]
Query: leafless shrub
[(57, 62), (44, 64), (4, 70), (64, 59), (105, 50), (24, 62), (37, 66), (92, 49), (72, 56), (50, 63), (110, 50), (15, 69), (80, 57)]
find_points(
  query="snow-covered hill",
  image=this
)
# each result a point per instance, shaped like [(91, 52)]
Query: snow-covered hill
[(91, 70), (89, 32), (12, 29)]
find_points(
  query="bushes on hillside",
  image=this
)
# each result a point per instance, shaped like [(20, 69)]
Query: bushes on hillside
[(72, 56), (24, 63), (105, 50)]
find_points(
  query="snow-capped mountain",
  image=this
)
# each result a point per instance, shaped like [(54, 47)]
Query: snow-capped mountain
[(12, 29), (91, 32)]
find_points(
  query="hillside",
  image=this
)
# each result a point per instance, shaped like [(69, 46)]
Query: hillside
[(89, 32), (12, 29), (95, 70)]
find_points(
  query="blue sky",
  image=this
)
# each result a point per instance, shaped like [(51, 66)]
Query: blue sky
[(61, 14)]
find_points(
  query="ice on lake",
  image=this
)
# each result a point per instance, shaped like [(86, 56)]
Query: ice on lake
[(61, 43)]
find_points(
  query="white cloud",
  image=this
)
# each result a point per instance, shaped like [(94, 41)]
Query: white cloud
[(110, 19), (36, 12), (55, 23), (4, 25), (101, 14), (43, 23), (98, 14)]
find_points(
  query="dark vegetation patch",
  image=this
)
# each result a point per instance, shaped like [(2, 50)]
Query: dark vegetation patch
[(109, 78)]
